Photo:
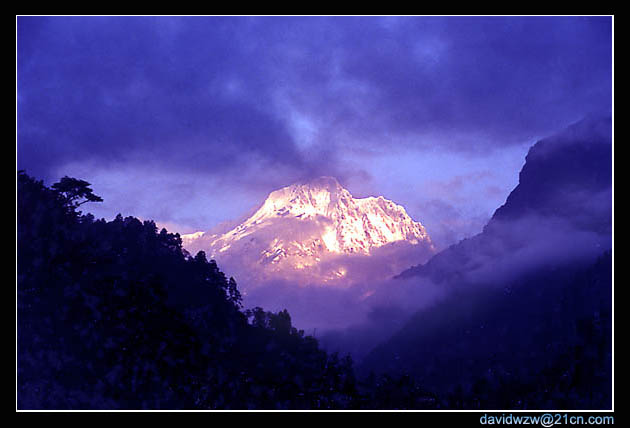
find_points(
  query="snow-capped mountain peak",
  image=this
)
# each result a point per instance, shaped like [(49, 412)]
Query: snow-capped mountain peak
[(303, 225), (350, 225)]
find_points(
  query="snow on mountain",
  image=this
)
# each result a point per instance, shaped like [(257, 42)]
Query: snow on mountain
[(189, 238), (315, 228)]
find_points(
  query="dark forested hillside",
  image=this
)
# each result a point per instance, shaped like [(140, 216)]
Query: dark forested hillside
[(117, 315), (527, 317), (540, 342)]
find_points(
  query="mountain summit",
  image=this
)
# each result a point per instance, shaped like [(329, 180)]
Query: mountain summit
[(315, 227), (563, 200)]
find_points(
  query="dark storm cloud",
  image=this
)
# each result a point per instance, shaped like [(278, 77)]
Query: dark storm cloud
[(115, 89), (235, 95), (462, 81)]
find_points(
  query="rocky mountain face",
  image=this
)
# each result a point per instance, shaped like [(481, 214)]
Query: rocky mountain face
[(526, 317), (315, 231), (560, 211)]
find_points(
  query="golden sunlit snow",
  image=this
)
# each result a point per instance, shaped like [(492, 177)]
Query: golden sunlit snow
[(302, 226)]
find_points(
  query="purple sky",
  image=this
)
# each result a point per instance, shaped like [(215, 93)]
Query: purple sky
[(193, 121)]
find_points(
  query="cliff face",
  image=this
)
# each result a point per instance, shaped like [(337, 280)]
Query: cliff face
[(526, 315), (561, 209)]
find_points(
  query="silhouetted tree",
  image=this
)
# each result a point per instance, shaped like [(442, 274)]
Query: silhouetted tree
[(73, 191), (116, 315)]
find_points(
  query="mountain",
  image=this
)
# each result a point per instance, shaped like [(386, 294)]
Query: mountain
[(315, 231), (560, 211), (115, 315), (526, 320)]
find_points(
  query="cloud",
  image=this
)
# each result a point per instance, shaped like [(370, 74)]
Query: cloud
[(476, 81), (327, 307), (235, 107), (447, 224), (218, 94), (496, 260)]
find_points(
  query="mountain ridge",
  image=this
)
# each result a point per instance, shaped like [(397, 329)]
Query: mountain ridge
[(306, 224), (565, 181), (527, 306)]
